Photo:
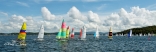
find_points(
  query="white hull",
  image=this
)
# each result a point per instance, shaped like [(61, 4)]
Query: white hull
[(40, 39)]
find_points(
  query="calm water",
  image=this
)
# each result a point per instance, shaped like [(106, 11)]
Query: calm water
[(118, 44)]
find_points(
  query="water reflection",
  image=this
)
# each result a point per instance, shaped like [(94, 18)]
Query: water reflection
[(23, 49), (63, 45)]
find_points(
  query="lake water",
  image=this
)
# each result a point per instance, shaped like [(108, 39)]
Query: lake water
[(118, 44)]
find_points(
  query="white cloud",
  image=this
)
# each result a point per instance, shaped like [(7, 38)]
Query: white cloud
[(93, 17), (15, 18), (101, 7), (3, 13), (137, 17), (76, 14), (47, 14), (122, 20), (23, 4)]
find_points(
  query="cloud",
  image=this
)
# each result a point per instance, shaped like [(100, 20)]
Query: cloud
[(16, 18), (23, 4), (137, 17), (3, 13), (47, 14), (93, 17), (76, 14), (122, 20), (96, 0), (151, 7), (38, 1), (101, 7), (89, 0)]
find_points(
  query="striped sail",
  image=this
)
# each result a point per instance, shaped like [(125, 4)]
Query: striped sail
[(96, 34), (129, 34), (62, 32), (63, 27), (22, 33), (110, 34)]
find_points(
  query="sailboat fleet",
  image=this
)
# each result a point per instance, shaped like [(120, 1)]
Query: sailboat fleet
[(64, 34)]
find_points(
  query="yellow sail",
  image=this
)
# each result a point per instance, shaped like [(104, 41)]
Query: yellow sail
[(22, 33)]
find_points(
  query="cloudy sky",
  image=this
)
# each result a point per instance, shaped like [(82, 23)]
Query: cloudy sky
[(118, 14)]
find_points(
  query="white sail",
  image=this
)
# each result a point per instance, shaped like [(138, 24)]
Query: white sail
[(83, 33), (41, 33), (97, 33)]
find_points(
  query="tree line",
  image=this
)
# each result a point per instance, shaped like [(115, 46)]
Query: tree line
[(143, 30)]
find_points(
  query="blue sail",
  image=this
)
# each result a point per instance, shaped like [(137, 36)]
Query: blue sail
[(129, 34), (95, 34)]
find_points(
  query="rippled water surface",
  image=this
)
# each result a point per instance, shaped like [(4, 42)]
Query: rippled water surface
[(118, 44)]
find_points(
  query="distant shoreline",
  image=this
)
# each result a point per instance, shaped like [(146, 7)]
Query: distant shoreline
[(31, 33)]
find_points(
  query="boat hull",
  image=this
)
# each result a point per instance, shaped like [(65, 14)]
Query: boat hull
[(110, 37)]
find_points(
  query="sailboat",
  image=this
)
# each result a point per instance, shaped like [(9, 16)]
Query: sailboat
[(80, 33), (130, 34), (67, 33), (72, 34), (62, 33), (110, 34), (96, 34), (41, 33), (22, 35), (83, 37)]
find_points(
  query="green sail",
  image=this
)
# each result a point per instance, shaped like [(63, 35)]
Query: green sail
[(59, 34), (63, 34)]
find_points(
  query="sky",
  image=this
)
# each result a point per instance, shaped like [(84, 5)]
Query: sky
[(102, 14)]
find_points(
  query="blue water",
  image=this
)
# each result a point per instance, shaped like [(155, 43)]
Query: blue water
[(118, 44)]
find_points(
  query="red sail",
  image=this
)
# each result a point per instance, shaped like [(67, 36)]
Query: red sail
[(80, 33)]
